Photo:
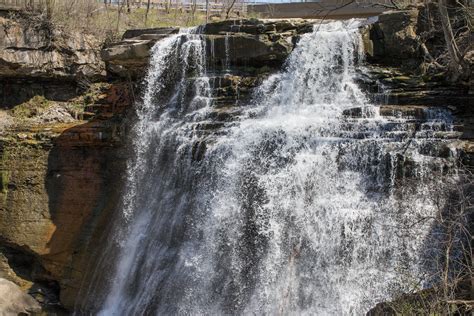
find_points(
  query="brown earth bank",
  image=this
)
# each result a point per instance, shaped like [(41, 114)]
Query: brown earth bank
[(66, 104)]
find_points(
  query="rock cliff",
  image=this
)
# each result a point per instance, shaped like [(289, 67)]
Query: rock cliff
[(37, 59), (63, 126), (61, 144)]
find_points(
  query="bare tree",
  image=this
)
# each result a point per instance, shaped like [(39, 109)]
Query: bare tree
[(229, 8), (452, 241), (168, 6), (128, 6), (456, 64), (147, 11), (193, 10), (49, 9)]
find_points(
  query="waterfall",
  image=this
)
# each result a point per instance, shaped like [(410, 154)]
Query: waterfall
[(296, 209)]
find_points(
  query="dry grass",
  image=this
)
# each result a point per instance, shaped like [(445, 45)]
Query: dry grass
[(113, 21), (110, 21)]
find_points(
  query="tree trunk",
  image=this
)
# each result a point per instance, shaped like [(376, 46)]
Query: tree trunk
[(119, 13), (49, 9), (455, 64), (193, 10), (147, 10), (229, 9)]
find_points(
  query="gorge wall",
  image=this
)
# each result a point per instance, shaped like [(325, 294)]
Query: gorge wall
[(65, 116)]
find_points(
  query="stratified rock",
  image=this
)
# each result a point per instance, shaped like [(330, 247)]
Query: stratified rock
[(248, 49), (128, 57), (256, 27), (246, 42), (137, 33), (14, 302), (405, 111), (221, 27), (59, 180), (42, 52)]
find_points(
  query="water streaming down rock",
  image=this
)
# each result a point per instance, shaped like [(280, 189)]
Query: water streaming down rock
[(161, 136), (296, 209)]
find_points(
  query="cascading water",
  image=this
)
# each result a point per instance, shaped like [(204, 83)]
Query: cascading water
[(295, 210)]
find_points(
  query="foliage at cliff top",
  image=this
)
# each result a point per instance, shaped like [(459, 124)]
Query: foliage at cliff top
[(108, 21)]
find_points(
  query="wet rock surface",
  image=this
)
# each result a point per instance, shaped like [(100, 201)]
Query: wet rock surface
[(250, 42)]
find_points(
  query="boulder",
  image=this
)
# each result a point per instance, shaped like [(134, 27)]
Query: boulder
[(133, 51), (393, 39), (128, 57), (14, 302)]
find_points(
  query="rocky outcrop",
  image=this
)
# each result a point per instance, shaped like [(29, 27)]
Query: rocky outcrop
[(392, 39), (36, 59), (14, 302), (247, 49), (413, 40), (60, 180), (249, 43), (39, 51), (397, 78), (427, 302), (128, 58)]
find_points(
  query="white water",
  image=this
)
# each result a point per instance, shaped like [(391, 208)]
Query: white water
[(296, 210)]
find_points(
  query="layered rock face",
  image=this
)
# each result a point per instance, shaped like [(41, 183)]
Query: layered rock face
[(61, 143), (37, 59), (240, 43), (59, 181), (396, 77), (242, 52), (62, 173)]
